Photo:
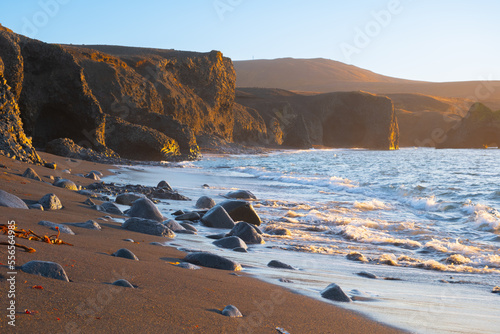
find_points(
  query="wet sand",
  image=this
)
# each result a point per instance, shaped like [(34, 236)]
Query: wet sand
[(168, 299)]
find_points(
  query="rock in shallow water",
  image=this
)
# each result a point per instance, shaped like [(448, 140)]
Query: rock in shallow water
[(125, 253), (231, 311), (110, 207), (147, 226), (212, 261), (279, 264), (241, 211), (335, 293), (240, 194), (188, 216), (217, 217), (128, 198), (45, 269), (173, 225), (356, 256), (230, 243), (11, 201), (247, 232), (205, 202)]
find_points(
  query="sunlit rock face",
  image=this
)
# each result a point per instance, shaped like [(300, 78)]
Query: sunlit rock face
[(341, 119), (480, 128)]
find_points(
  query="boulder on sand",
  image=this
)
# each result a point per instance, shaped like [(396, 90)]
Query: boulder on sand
[(212, 261), (247, 232), (231, 311), (57, 227), (126, 254), (45, 269), (147, 226), (31, 174), (241, 210), (144, 208), (217, 217), (50, 202), (11, 201), (66, 184)]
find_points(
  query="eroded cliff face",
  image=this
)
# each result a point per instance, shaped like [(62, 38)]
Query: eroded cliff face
[(341, 119), (480, 128), (69, 92)]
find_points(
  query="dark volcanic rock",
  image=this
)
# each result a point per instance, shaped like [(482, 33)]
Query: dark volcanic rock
[(205, 202), (144, 208), (188, 216), (480, 128), (31, 174), (140, 143), (240, 194), (147, 226), (45, 269), (66, 147), (279, 264), (13, 140), (164, 185), (50, 202), (212, 261), (125, 253), (335, 293), (217, 217), (341, 119), (241, 210), (230, 243), (11, 201), (247, 232)]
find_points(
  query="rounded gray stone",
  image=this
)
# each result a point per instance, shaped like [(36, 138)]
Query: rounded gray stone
[(231, 311), (62, 228), (110, 207), (335, 293), (247, 232), (173, 225), (145, 208), (148, 226), (230, 243), (124, 283), (31, 174), (11, 201), (50, 202), (125, 253), (89, 224), (210, 260), (205, 202), (240, 194), (240, 210), (279, 264), (128, 198), (217, 217), (45, 269), (66, 184)]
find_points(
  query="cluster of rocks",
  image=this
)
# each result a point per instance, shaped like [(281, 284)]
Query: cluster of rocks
[(126, 194)]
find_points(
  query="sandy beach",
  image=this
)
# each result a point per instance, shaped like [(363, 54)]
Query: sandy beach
[(167, 298)]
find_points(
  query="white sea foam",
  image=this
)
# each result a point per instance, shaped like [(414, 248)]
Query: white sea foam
[(446, 246), (374, 204), (365, 235), (487, 221), (424, 203), (333, 183)]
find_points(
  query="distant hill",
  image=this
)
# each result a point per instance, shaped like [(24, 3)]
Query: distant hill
[(324, 75)]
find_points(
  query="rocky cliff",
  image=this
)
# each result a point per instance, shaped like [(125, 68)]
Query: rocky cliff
[(90, 95), (480, 128), (342, 119)]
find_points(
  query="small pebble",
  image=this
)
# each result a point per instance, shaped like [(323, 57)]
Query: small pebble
[(231, 311)]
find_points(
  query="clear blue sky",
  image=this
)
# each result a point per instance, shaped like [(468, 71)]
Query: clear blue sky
[(440, 40)]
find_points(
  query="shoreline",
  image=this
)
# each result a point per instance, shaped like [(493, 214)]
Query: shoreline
[(167, 297)]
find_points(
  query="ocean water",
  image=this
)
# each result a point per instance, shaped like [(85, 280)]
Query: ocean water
[(426, 222)]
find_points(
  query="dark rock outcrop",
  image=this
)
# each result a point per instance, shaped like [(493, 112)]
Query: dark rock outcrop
[(241, 210), (480, 128), (67, 148), (341, 119)]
